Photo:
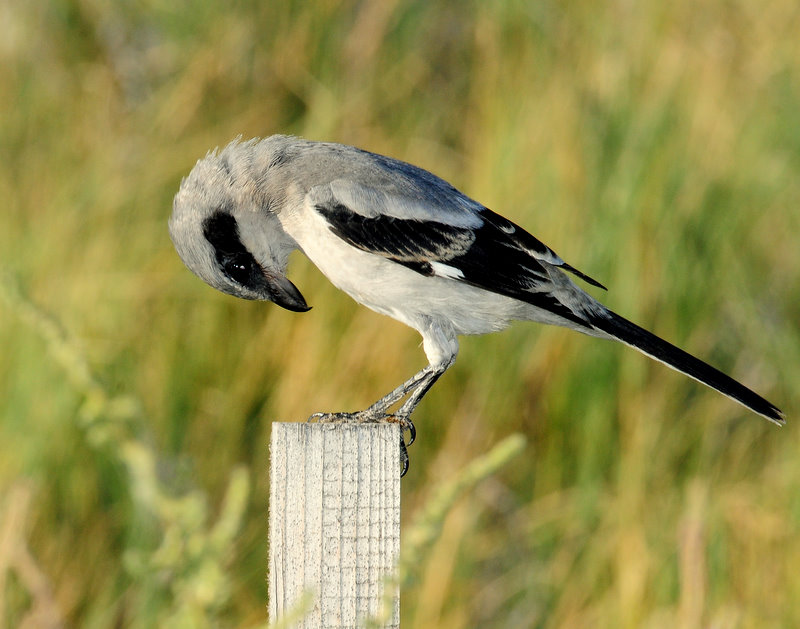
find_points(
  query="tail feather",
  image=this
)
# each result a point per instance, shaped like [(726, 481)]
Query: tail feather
[(674, 357)]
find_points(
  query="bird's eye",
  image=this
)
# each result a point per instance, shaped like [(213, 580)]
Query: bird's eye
[(240, 267)]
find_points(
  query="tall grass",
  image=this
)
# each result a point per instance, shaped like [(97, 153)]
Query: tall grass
[(656, 146)]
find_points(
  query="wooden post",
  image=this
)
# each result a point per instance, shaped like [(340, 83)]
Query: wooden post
[(334, 521)]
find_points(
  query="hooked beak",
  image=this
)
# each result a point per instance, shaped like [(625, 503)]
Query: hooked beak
[(282, 292)]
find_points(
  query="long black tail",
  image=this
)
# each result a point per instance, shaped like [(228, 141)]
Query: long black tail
[(655, 347)]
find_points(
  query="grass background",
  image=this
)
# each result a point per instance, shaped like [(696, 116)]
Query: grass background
[(655, 146)]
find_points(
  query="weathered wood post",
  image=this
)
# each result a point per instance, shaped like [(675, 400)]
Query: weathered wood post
[(334, 521)]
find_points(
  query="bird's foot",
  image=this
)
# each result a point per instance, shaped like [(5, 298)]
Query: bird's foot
[(361, 417), (372, 417)]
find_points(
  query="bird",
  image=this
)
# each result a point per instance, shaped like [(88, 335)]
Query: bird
[(400, 241)]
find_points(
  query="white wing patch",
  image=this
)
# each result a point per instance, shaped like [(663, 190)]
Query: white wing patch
[(445, 270)]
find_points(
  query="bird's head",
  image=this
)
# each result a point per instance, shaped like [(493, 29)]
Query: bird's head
[(228, 235)]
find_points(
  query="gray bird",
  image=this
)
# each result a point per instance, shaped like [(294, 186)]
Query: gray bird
[(398, 240)]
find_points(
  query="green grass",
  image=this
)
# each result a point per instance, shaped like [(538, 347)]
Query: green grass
[(655, 146)]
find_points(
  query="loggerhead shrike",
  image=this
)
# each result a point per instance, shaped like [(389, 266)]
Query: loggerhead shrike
[(399, 240)]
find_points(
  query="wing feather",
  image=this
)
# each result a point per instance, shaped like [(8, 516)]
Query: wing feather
[(489, 256)]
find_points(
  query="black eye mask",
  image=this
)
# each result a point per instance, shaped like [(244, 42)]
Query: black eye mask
[(239, 265), (222, 231)]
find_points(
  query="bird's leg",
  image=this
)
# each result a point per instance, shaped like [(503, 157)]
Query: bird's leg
[(418, 385), (415, 387), (422, 388), (414, 383), (377, 412)]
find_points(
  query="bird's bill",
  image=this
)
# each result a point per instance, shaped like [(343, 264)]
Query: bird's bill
[(282, 292)]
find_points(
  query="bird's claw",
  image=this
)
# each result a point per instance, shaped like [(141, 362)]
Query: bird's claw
[(367, 417), (412, 431), (405, 424), (333, 418), (404, 460)]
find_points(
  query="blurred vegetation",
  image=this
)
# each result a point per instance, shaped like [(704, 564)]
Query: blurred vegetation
[(656, 146)]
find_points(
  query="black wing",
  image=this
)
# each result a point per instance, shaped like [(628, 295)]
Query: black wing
[(497, 256), (530, 244)]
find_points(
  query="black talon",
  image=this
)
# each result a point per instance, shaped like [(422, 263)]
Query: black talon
[(412, 431), (403, 458)]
